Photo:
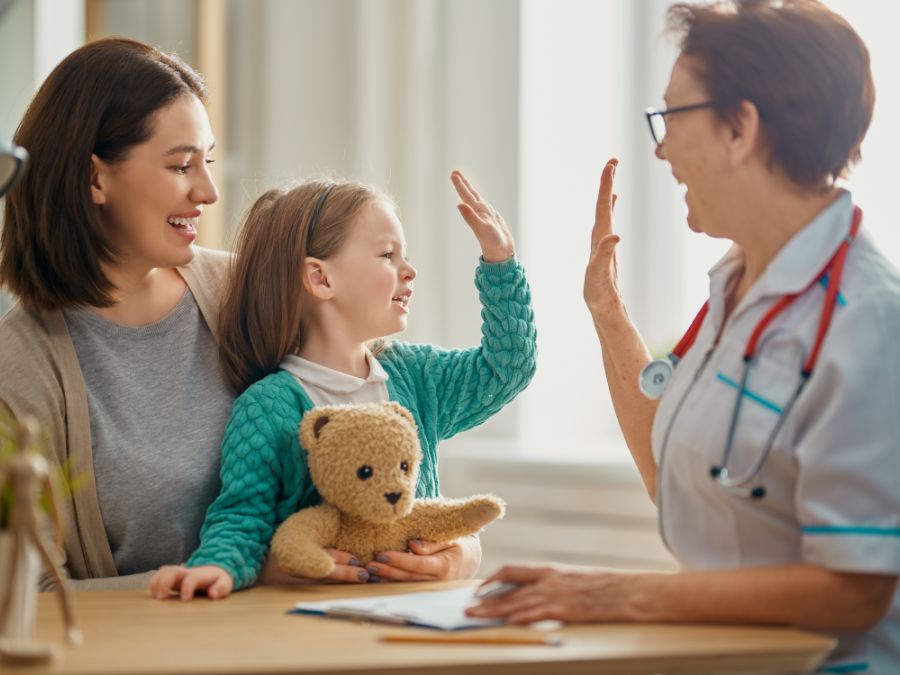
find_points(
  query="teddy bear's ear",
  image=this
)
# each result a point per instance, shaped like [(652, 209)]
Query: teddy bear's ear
[(311, 427), (403, 412)]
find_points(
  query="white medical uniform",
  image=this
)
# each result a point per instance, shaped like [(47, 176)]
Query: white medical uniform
[(832, 479)]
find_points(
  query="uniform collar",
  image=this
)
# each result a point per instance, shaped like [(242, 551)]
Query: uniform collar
[(794, 266), (331, 380)]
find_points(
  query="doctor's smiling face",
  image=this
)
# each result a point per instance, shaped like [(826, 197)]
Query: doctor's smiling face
[(696, 147)]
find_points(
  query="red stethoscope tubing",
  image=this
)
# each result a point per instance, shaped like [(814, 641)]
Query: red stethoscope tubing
[(834, 269)]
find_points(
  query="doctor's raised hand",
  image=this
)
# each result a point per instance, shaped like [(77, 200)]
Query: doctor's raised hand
[(601, 287), (624, 352)]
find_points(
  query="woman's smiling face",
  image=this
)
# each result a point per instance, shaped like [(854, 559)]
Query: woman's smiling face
[(153, 199)]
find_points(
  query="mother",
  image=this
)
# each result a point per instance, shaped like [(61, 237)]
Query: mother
[(773, 452), (112, 345)]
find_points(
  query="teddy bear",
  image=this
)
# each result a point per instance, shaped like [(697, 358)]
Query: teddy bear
[(364, 461)]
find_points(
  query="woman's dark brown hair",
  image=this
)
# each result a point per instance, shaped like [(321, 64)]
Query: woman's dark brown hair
[(264, 312), (99, 100), (802, 66)]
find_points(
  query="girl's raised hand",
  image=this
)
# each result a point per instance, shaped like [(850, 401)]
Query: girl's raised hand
[(188, 580), (488, 225)]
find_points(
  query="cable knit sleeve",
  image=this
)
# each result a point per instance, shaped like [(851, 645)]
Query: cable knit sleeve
[(461, 388), (256, 450)]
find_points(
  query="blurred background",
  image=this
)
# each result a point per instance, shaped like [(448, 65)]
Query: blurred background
[(529, 98)]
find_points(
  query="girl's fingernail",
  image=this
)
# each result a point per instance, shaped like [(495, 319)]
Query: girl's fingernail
[(371, 569), (374, 579), (354, 563), (363, 575), (417, 542), (382, 558)]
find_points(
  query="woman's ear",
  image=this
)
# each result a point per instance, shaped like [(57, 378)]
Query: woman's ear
[(315, 278), (746, 133), (98, 180)]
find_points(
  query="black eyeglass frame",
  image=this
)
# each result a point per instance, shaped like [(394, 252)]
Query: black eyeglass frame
[(650, 113)]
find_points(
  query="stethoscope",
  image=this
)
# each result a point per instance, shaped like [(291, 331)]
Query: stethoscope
[(656, 375)]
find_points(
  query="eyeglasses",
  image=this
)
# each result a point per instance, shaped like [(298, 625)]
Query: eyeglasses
[(657, 118)]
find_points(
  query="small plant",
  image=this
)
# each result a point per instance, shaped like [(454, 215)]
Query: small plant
[(65, 482)]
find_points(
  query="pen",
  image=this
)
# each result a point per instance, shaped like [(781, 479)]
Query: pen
[(495, 590), (473, 639)]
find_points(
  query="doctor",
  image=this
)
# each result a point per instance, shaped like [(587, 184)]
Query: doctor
[(773, 454)]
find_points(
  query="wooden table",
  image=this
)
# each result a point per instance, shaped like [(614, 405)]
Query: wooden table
[(250, 632)]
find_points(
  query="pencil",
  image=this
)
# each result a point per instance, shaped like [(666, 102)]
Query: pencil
[(474, 639)]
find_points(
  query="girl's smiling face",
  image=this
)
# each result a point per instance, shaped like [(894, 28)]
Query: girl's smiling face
[(370, 275)]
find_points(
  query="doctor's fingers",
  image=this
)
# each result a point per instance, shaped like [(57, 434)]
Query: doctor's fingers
[(521, 574), (514, 602), (606, 201)]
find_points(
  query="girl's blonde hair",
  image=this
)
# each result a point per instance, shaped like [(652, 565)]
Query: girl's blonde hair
[(264, 312)]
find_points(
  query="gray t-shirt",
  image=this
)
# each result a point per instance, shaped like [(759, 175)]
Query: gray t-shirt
[(158, 404)]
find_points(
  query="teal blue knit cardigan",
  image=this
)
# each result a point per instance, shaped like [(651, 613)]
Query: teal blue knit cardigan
[(264, 473)]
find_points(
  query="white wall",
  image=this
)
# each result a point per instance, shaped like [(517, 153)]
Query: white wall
[(874, 181)]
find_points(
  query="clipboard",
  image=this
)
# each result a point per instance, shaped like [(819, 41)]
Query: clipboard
[(438, 610)]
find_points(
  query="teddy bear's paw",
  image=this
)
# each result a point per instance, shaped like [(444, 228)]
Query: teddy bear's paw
[(314, 564), (482, 511), (319, 567)]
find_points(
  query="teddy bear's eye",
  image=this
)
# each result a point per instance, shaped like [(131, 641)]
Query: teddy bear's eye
[(404, 466), (364, 472)]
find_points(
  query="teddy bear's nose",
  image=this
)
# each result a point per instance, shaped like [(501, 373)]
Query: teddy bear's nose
[(393, 497)]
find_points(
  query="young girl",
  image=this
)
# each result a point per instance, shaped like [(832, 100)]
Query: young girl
[(320, 274)]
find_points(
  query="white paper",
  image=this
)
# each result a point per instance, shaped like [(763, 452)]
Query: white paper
[(444, 610)]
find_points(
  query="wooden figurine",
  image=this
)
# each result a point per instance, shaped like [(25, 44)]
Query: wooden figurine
[(27, 474)]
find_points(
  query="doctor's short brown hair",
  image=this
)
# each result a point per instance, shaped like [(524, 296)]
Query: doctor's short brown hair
[(802, 65), (99, 100)]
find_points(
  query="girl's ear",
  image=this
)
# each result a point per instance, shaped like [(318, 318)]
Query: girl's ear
[(315, 278), (98, 180)]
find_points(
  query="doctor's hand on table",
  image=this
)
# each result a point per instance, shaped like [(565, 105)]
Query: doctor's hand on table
[(546, 593), (801, 594)]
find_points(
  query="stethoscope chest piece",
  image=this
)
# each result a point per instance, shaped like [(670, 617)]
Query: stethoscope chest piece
[(655, 378)]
